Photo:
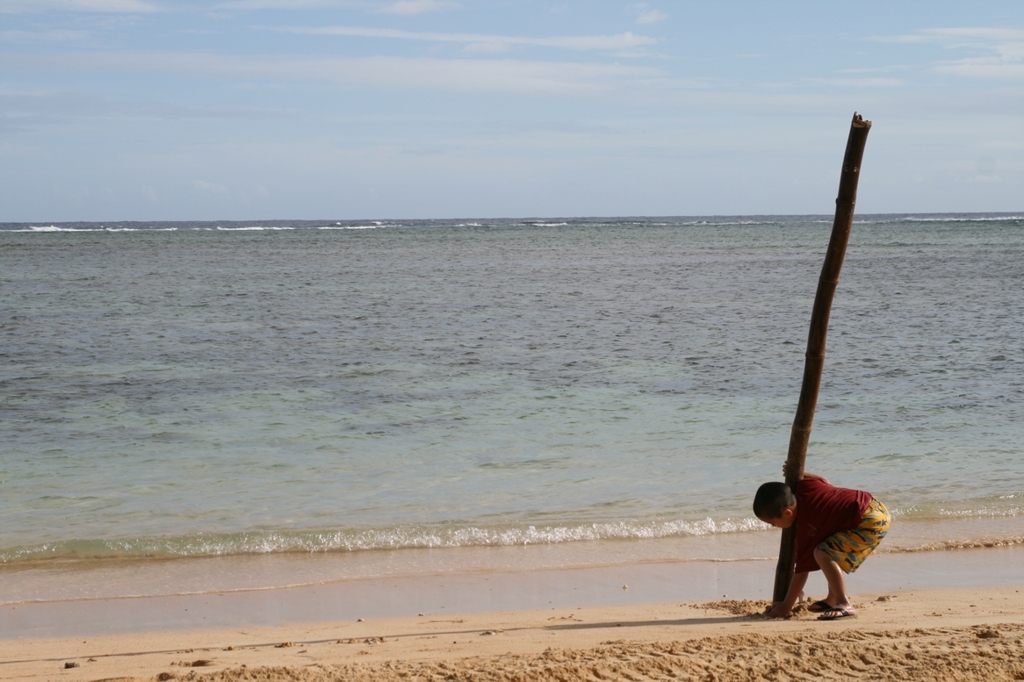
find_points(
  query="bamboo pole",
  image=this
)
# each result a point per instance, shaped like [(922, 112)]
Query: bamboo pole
[(815, 357)]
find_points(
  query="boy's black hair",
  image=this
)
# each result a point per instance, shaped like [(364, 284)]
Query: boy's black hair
[(771, 499)]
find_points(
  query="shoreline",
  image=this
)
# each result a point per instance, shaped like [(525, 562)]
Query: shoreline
[(71, 578), (619, 585), (936, 634)]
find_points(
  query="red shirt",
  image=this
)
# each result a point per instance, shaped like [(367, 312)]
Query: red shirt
[(821, 510)]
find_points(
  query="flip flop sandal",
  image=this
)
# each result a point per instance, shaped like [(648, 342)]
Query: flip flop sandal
[(832, 613), (819, 606)]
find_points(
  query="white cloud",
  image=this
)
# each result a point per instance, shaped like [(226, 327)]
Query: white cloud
[(130, 6), (860, 82), (646, 14), (1000, 51), (417, 6), (983, 68), (209, 188), (487, 47), (397, 7), (281, 4), (481, 42), (33, 108), (651, 17), (957, 37), (42, 37), (878, 69), (466, 75)]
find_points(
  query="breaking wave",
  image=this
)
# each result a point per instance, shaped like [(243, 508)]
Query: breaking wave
[(397, 537)]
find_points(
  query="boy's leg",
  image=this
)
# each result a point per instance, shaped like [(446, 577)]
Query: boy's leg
[(843, 552), (837, 597)]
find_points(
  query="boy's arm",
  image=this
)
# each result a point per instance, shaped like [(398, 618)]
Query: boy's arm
[(781, 609)]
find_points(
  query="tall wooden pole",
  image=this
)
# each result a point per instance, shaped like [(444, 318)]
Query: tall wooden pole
[(815, 361)]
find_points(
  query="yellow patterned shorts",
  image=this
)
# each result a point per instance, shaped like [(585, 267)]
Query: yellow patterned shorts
[(851, 547)]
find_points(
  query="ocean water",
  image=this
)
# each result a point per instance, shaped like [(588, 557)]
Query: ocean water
[(603, 387)]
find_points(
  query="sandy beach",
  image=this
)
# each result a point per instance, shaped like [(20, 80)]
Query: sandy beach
[(929, 634)]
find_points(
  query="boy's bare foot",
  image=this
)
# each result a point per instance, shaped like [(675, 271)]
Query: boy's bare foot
[(835, 613)]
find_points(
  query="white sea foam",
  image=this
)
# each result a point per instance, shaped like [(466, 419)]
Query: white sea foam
[(984, 512), (727, 223), (977, 219), (448, 537), (140, 229), (398, 537), (600, 223), (54, 228), (253, 228)]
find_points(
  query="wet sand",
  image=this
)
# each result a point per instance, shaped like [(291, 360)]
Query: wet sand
[(66, 598), (952, 615), (475, 591), (934, 634)]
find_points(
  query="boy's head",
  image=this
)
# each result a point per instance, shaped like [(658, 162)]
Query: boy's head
[(775, 504)]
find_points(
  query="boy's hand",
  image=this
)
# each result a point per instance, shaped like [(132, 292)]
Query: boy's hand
[(778, 610), (785, 472)]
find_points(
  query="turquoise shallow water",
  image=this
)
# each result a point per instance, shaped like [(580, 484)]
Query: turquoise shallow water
[(195, 389)]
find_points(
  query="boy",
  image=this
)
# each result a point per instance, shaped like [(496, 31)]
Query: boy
[(837, 530)]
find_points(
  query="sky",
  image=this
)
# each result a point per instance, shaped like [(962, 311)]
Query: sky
[(403, 109)]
